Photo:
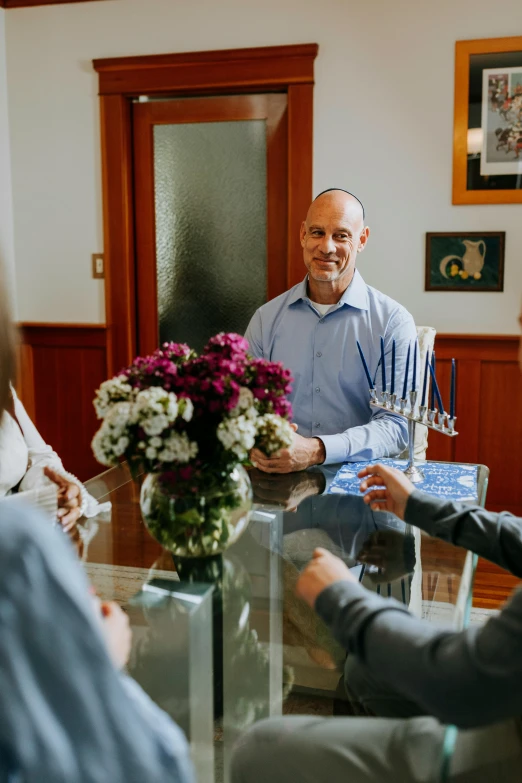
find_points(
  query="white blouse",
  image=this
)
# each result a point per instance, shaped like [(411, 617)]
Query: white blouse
[(23, 456)]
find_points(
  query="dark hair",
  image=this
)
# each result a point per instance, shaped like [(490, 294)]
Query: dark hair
[(329, 190), (7, 347)]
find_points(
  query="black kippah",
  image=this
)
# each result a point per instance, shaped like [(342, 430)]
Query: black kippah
[(328, 190)]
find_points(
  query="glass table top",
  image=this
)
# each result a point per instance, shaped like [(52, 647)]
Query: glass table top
[(222, 642)]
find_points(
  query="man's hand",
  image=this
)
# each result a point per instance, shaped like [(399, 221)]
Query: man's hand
[(69, 499), (302, 454), (117, 632), (322, 571), (394, 496), (288, 489)]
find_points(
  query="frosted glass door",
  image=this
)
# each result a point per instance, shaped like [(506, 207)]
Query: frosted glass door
[(211, 224)]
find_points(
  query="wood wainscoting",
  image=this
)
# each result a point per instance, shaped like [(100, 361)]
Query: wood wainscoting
[(488, 408), (489, 422), (60, 367)]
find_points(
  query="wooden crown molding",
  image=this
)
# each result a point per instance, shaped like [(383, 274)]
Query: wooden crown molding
[(265, 68)]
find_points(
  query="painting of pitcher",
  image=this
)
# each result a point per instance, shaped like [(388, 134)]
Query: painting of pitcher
[(458, 261)]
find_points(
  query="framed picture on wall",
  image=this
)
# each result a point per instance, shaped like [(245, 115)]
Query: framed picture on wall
[(487, 139), (465, 261)]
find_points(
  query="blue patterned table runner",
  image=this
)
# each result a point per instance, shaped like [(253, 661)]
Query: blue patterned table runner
[(447, 480)]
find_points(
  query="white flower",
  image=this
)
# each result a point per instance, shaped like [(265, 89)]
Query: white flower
[(110, 392), (155, 409), (119, 447), (156, 442), (237, 435), (112, 438), (186, 408), (273, 433), (245, 401), (150, 452), (178, 448), (155, 425)]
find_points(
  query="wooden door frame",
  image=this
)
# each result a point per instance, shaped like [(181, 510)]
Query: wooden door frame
[(272, 108), (287, 69)]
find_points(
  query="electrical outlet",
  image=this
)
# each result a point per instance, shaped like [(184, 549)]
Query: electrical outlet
[(98, 266)]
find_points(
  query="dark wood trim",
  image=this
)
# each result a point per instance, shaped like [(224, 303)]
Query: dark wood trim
[(300, 170), (118, 230), (258, 70), (63, 335), (60, 367), (31, 3), (276, 68), (489, 347), (271, 107)]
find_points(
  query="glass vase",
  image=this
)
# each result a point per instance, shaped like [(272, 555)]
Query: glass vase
[(197, 521)]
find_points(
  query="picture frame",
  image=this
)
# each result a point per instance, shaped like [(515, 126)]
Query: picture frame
[(487, 136), (471, 261)]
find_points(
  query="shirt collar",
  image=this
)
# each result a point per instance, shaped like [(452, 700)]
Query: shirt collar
[(356, 295)]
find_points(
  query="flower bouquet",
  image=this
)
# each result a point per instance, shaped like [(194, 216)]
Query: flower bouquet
[(189, 422)]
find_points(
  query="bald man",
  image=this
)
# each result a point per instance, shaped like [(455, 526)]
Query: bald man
[(313, 329)]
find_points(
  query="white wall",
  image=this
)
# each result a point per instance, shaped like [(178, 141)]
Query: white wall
[(6, 205), (383, 128)]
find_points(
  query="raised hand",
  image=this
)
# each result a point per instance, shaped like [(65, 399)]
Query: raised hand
[(394, 496)]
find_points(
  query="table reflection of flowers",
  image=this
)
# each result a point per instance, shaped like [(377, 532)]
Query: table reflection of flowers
[(189, 422)]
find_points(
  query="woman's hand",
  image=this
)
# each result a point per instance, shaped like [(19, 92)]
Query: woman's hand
[(394, 496), (117, 632), (69, 499)]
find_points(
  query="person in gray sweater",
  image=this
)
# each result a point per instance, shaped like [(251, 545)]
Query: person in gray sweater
[(415, 676)]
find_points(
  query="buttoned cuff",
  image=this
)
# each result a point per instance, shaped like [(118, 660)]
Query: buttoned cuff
[(336, 448)]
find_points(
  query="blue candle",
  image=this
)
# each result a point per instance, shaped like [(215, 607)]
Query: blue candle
[(414, 376), (437, 392), (392, 389), (432, 391), (366, 370), (452, 391), (383, 366), (425, 381), (405, 387)]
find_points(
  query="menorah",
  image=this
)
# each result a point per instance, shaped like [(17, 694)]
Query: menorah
[(434, 418)]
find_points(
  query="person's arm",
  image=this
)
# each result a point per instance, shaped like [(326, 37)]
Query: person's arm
[(61, 691), (386, 434), (470, 678), (497, 537), (254, 335), (37, 488)]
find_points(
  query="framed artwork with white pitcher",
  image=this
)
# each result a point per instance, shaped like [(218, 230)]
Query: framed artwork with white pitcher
[(465, 261)]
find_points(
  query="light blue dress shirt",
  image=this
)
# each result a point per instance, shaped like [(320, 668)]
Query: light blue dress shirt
[(330, 396)]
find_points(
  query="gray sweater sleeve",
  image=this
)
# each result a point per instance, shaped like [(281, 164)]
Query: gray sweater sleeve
[(497, 537), (470, 678)]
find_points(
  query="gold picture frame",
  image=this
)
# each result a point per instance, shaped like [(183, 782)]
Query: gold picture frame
[(470, 57)]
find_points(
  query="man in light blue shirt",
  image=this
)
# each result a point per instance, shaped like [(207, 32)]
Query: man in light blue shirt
[(313, 329)]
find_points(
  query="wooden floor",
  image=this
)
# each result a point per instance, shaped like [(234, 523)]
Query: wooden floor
[(492, 586)]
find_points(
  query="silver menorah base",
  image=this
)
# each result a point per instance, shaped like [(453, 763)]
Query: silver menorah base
[(432, 419)]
